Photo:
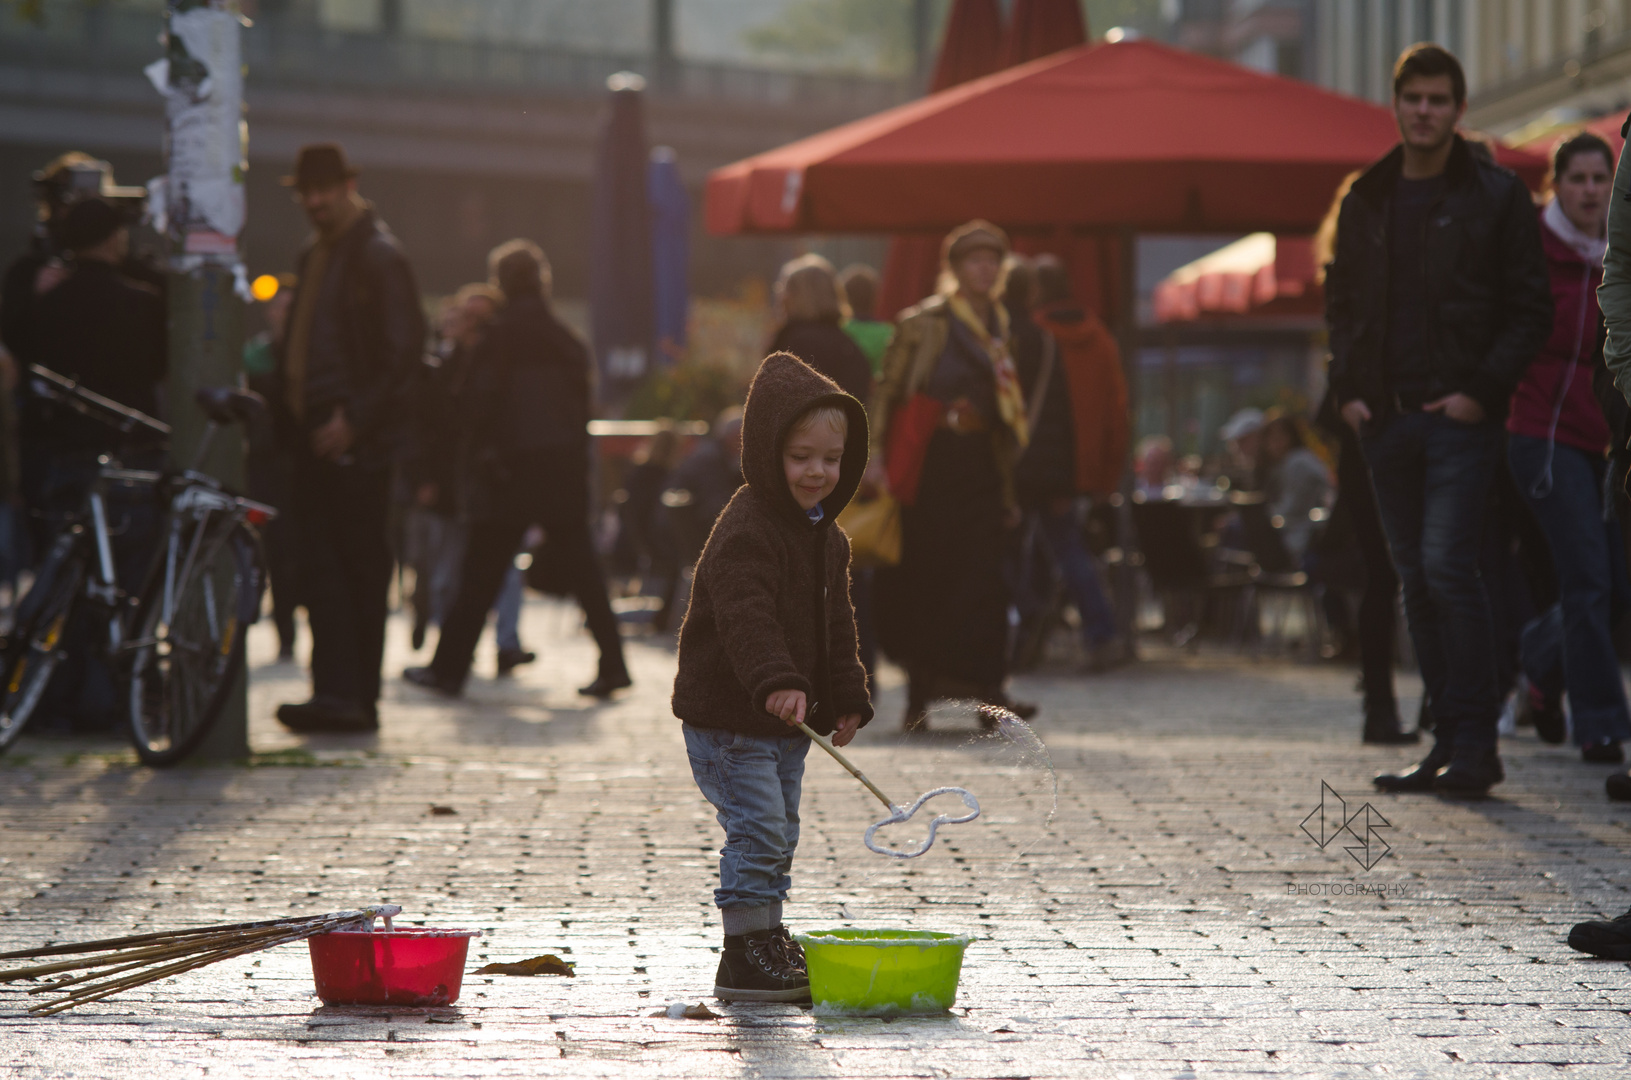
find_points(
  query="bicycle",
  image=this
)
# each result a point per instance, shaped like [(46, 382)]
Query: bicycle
[(177, 643)]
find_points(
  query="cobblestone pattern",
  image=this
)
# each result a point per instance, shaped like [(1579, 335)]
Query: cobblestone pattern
[(1173, 919)]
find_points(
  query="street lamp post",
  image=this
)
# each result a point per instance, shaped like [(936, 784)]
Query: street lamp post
[(200, 209)]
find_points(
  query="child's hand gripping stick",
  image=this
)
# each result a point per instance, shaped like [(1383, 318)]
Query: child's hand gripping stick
[(896, 814)]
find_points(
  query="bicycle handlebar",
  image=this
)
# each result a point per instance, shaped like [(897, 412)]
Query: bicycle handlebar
[(89, 403)]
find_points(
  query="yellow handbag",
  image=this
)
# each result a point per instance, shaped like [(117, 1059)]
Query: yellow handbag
[(873, 528)]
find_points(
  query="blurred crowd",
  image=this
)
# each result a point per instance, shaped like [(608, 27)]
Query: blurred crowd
[(1459, 457)]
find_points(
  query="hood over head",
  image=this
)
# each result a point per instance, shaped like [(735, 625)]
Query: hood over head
[(784, 388)]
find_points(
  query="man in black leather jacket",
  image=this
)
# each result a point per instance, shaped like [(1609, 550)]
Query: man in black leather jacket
[(354, 339), (525, 418), (1437, 299)]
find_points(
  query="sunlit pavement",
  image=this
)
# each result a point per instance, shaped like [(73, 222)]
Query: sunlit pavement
[(1173, 920)]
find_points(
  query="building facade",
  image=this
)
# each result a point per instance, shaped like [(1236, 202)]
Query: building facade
[(1528, 62)]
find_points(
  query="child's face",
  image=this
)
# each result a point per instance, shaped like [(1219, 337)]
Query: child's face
[(811, 460)]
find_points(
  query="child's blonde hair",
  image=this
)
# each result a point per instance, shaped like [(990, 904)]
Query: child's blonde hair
[(836, 418)]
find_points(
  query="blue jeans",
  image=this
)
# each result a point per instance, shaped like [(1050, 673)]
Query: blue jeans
[(1589, 557), (1063, 534), (754, 784), (508, 610), (1433, 477)]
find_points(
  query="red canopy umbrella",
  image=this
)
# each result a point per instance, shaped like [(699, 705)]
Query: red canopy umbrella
[(1606, 126), (1039, 28), (1129, 135), (970, 49)]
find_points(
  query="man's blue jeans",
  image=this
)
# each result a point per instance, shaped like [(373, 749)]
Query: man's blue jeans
[(1589, 557), (1063, 534), (1432, 477), (754, 784)]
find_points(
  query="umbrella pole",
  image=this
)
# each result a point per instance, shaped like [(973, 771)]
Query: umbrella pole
[(1124, 240)]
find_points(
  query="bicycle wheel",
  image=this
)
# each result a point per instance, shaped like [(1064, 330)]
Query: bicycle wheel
[(185, 661), (34, 647)]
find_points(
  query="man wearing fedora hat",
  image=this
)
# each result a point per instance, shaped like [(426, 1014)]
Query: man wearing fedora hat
[(353, 341)]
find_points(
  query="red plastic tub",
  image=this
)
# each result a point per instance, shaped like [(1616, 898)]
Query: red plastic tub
[(390, 967)]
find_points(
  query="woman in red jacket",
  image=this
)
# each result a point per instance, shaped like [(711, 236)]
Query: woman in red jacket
[(1558, 446)]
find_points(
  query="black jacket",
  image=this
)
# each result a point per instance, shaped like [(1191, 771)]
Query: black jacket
[(108, 332), (1489, 304), (367, 337), (1046, 470), (824, 346), (528, 385)]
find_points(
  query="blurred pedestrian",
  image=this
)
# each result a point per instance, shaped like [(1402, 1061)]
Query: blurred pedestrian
[(432, 464), (1079, 429), (1352, 555), (703, 482), (1558, 441), (645, 544), (270, 466), (107, 331), (949, 421), (1423, 369), (1152, 466), (860, 284), (526, 418), (813, 312), (354, 340), (1294, 482), (1242, 436)]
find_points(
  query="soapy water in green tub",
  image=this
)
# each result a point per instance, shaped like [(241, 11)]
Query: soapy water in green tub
[(883, 972)]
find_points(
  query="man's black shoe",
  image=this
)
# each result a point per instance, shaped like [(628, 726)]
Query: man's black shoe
[(1619, 787), (792, 951), (331, 715), (510, 659), (1470, 776), (753, 968), (1419, 779), (1607, 752), (606, 685), (427, 678), (1608, 938)]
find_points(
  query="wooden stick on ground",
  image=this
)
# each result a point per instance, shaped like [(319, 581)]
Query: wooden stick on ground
[(138, 959)]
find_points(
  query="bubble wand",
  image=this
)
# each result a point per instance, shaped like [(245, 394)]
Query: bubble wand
[(896, 814)]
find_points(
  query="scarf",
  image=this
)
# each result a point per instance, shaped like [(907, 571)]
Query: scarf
[(1010, 397), (1589, 248)]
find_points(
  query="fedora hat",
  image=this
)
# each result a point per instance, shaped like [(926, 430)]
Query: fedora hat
[(320, 165)]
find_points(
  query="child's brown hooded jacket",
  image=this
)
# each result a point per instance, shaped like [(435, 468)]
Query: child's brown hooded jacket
[(770, 606)]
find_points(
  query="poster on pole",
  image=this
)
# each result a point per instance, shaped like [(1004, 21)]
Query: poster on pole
[(201, 78)]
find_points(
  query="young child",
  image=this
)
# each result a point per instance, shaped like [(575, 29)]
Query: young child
[(769, 640)]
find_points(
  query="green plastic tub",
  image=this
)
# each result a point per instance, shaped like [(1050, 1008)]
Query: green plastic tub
[(883, 972)]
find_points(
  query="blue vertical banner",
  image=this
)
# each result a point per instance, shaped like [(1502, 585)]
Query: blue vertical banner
[(670, 254)]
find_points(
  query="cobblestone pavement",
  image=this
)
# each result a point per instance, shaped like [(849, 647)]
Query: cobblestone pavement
[(1173, 919)]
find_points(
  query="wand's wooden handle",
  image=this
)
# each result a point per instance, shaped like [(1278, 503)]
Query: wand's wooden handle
[(826, 744)]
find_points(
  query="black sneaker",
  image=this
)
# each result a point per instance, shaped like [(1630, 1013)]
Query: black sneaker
[(1608, 938), (510, 659), (1606, 752), (792, 951), (754, 968)]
